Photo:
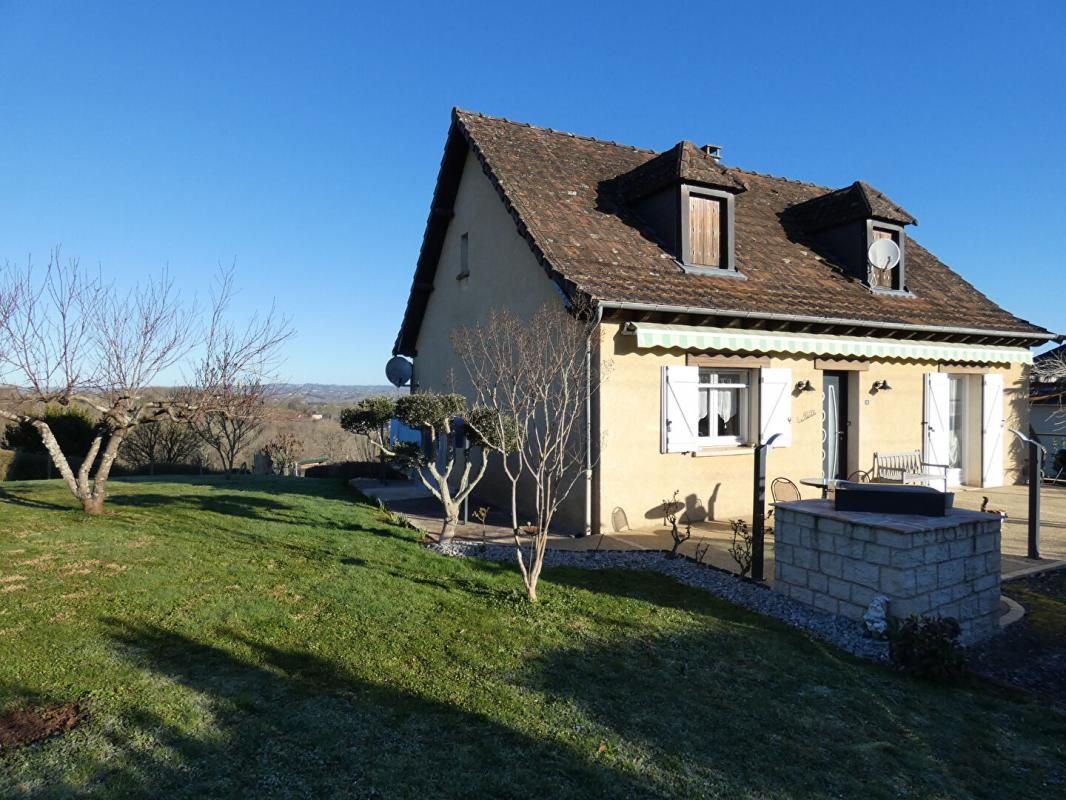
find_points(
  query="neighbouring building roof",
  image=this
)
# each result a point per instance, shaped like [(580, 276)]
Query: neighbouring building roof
[(571, 198)]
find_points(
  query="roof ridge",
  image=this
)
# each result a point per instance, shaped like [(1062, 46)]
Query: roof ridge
[(570, 134), (782, 178)]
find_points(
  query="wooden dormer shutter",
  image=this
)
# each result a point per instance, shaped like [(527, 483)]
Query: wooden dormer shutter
[(705, 231)]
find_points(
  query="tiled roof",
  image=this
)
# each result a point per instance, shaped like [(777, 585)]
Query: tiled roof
[(682, 162), (858, 201), (568, 200)]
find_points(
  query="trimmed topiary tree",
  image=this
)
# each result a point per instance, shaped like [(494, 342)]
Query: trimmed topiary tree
[(439, 416), (371, 417)]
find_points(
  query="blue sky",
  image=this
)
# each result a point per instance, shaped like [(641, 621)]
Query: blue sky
[(303, 139)]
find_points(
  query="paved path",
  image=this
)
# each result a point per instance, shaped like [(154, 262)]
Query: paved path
[(712, 539)]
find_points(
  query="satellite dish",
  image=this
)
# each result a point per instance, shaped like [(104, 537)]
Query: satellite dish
[(399, 371), (883, 254)]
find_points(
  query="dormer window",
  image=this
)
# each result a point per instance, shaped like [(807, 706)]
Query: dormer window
[(706, 230), (845, 227), (885, 276), (684, 199)]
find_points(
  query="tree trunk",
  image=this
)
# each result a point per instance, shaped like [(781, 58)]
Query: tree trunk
[(56, 454), (447, 532), (94, 504)]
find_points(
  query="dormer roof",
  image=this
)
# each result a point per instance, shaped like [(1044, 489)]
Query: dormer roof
[(682, 163), (858, 201)]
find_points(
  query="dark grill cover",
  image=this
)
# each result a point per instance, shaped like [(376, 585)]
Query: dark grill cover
[(891, 498)]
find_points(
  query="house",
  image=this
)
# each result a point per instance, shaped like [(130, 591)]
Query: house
[(735, 306), (1048, 409)]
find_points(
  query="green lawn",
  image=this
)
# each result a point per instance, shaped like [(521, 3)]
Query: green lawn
[(275, 638)]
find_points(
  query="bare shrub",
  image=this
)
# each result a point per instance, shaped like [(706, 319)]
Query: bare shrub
[(284, 451), (534, 377), (165, 442), (671, 515), (740, 548)]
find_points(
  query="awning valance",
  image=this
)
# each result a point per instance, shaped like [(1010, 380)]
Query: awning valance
[(692, 337)]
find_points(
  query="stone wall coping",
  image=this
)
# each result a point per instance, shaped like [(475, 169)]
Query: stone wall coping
[(899, 523)]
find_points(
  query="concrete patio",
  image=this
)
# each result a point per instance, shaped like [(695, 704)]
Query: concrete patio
[(412, 500)]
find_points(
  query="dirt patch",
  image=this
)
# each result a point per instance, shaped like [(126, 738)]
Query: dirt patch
[(1031, 653), (12, 579), (22, 726), (41, 562), (80, 568), (77, 595), (7, 588)]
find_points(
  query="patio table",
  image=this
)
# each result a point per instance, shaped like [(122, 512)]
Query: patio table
[(822, 483)]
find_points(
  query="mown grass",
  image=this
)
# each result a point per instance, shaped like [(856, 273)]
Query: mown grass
[(274, 638)]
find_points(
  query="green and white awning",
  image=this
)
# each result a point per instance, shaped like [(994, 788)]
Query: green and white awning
[(691, 337)]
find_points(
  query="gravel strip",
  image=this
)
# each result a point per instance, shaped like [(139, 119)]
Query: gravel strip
[(838, 631)]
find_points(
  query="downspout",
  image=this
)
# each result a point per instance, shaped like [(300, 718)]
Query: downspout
[(588, 420)]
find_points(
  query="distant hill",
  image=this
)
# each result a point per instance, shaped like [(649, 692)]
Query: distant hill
[(330, 393)]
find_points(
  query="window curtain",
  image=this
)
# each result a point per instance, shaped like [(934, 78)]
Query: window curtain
[(705, 413), (727, 404)]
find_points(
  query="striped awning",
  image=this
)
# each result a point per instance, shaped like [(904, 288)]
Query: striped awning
[(691, 337)]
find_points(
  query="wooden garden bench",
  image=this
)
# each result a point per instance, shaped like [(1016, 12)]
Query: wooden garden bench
[(908, 467)]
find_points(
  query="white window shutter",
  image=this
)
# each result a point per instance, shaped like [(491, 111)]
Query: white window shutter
[(680, 409), (775, 406), (936, 434), (992, 431)]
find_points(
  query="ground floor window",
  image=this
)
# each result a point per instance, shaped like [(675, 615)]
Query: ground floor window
[(724, 400)]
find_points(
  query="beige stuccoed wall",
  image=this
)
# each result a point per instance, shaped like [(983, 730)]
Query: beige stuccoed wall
[(636, 477), (503, 274)]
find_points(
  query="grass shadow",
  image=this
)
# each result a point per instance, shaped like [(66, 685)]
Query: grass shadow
[(292, 719), (775, 714)]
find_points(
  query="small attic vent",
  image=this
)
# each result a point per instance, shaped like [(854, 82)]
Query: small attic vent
[(713, 150)]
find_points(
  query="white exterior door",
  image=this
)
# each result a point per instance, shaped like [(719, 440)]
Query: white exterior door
[(936, 434), (992, 431)]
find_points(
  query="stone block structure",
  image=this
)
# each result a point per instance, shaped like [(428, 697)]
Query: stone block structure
[(838, 561)]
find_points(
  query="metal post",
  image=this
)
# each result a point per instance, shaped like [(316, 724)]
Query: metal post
[(758, 507), (1037, 453), (1036, 477)]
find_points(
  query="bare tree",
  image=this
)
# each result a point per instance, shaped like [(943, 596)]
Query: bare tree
[(1052, 368), (284, 452), (235, 428), (71, 338), (164, 442), (536, 376)]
